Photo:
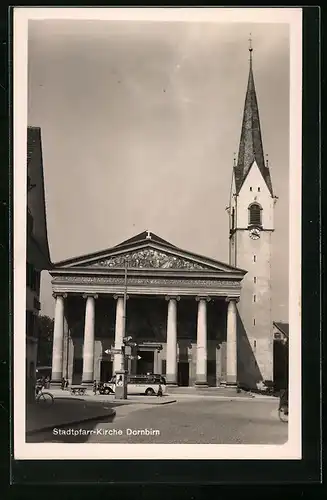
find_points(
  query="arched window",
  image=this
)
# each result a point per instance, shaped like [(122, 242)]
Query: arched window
[(255, 214)]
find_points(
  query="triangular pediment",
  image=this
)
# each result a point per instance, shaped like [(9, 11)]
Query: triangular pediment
[(149, 258), (147, 251)]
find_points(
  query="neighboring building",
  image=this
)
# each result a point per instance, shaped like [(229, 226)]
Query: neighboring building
[(38, 257), (251, 215), (182, 309)]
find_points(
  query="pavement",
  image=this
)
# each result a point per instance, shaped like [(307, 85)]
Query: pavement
[(74, 410), (213, 422), (64, 412)]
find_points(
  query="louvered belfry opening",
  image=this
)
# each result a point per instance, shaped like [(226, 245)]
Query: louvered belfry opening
[(255, 215)]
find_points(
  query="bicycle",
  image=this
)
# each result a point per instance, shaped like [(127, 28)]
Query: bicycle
[(283, 406), (44, 398)]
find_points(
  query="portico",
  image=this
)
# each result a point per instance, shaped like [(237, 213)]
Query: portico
[(180, 309)]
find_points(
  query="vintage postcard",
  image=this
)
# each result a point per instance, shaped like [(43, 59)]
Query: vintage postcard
[(157, 233)]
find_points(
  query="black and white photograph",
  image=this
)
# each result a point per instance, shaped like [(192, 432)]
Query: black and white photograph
[(157, 241)]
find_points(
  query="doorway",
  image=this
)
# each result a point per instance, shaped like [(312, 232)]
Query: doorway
[(146, 363), (105, 371), (211, 373), (183, 374), (77, 371)]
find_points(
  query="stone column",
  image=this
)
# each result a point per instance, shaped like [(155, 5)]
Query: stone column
[(119, 332), (201, 342), (171, 348), (88, 346), (231, 345), (58, 338)]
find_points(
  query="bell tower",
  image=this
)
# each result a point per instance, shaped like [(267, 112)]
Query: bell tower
[(251, 226)]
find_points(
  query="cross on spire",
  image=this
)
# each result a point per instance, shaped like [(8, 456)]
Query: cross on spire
[(250, 43), (250, 48)]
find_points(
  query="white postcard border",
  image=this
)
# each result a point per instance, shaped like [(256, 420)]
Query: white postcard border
[(22, 450)]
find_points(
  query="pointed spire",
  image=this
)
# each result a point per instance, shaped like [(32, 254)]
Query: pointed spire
[(251, 148)]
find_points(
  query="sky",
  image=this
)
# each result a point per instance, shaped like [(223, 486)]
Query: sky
[(140, 123)]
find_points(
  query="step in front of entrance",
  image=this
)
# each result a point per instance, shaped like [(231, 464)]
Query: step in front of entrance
[(218, 391)]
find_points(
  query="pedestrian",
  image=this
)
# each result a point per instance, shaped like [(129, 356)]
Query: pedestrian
[(159, 393), (62, 383), (66, 383), (95, 387)]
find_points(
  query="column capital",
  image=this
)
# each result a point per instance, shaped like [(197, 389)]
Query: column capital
[(172, 297), (232, 299), (120, 296), (59, 294), (202, 297), (86, 295)]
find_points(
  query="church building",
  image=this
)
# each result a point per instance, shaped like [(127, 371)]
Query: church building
[(195, 320)]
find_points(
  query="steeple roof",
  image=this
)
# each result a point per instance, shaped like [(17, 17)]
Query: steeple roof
[(251, 149)]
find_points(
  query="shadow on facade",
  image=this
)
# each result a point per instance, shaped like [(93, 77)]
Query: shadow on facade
[(248, 371)]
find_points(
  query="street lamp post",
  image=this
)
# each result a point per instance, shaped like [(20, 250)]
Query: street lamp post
[(124, 316), (121, 375)]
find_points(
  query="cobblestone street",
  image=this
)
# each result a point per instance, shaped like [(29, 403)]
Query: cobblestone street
[(201, 420)]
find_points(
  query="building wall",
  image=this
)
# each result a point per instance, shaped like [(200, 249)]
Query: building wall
[(37, 257)]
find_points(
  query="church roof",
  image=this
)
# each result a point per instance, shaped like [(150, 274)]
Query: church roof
[(251, 148), (148, 248), (282, 327)]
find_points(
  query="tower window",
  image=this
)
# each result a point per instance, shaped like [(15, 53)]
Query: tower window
[(254, 298), (254, 280), (253, 321), (251, 188), (254, 344), (255, 214), (258, 190), (254, 258)]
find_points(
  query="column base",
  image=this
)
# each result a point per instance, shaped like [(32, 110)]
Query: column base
[(171, 380), (55, 384), (231, 384), (201, 383)]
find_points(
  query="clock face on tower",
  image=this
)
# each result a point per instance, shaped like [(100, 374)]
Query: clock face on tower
[(255, 233)]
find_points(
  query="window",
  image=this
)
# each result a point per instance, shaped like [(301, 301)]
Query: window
[(254, 344), (254, 280), (254, 298), (251, 188), (253, 321), (255, 214), (258, 190), (233, 218), (254, 258)]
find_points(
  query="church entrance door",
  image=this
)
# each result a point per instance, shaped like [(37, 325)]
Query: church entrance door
[(146, 363), (183, 374), (105, 371)]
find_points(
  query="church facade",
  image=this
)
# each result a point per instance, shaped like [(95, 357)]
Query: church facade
[(195, 320)]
